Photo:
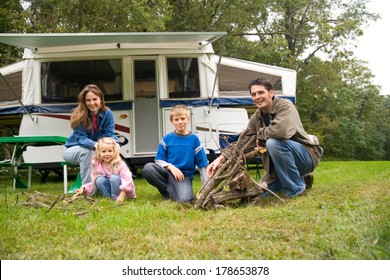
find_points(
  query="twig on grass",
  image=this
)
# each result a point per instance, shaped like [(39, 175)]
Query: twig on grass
[(55, 202), (81, 213), (41, 200)]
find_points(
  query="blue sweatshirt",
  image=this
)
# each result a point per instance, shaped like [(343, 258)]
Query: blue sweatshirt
[(183, 151)]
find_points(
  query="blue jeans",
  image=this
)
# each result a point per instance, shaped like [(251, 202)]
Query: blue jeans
[(291, 162), (166, 183), (82, 157), (109, 187)]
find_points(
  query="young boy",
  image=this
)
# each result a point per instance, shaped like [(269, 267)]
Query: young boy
[(178, 154)]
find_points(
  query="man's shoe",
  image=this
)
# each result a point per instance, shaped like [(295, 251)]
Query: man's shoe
[(309, 179)]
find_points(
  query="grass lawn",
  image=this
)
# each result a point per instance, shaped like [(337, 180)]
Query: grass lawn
[(346, 215)]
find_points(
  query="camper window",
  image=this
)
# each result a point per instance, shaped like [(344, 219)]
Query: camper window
[(183, 77), (14, 92), (63, 81), (145, 79), (233, 81)]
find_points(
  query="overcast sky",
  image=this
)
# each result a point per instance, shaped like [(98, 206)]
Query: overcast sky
[(373, 46)]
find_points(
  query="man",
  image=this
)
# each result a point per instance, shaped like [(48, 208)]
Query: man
[(291, 154)]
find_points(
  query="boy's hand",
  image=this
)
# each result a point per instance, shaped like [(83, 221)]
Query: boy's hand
[(212, 167), (176, 172)]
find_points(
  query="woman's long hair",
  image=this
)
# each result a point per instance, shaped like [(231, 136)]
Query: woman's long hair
[(115, 161), (80, 114)]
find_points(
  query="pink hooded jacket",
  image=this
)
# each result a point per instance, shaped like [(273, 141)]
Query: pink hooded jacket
[(127, 183)]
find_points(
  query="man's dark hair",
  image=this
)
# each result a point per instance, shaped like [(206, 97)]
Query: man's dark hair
[(260, 82)]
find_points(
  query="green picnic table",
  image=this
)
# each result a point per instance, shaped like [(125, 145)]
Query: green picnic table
[(20, 145)]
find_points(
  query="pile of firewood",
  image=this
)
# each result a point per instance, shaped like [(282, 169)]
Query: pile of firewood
[(231, 181)]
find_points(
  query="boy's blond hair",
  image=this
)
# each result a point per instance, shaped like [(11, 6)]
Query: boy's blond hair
[(177, 110), (117, 151)]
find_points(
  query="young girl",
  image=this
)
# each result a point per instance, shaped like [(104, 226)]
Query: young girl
[(110, 175)]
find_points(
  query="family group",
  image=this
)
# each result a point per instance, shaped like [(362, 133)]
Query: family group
[(290, 158)]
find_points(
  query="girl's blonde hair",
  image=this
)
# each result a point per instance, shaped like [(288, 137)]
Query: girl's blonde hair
[(117, 151), (177, 110), (80, 114)]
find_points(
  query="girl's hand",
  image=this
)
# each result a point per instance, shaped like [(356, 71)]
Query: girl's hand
[(79, 192), (121, 197)]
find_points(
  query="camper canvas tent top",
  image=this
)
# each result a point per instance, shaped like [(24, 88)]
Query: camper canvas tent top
[(58, 42), (142, 76)]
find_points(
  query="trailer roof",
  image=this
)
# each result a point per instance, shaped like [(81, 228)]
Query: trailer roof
[(44, 41)]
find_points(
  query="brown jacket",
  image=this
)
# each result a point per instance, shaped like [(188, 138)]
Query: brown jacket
[(285, 123)]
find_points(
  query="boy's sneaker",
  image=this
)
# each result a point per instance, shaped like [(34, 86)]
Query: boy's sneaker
[(309, 179)]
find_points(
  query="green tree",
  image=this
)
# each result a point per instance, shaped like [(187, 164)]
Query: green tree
[(12, 20), (338, 101), (384, 118), (72, 16), (309, 27), (278, 32)]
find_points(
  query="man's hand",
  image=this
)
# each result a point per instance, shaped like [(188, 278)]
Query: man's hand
[(261, 146)]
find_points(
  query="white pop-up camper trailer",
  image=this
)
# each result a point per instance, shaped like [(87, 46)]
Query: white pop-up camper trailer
[(142, 75)]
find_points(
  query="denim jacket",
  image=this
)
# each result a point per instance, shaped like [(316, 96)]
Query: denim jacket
[(87, 139)]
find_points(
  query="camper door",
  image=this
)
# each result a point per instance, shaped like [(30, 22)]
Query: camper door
[(146, 108)]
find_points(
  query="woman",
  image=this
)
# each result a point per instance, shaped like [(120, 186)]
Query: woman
[(90, 121)]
